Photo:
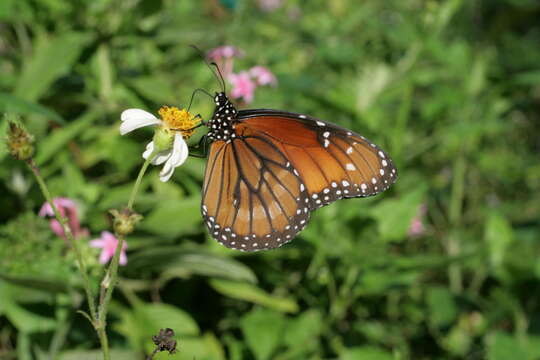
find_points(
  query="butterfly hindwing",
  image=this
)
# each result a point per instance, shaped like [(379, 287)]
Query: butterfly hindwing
[(253, 198)]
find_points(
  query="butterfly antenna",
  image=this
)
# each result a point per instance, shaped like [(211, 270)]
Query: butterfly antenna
[(194, 93), (217, 74), (220, 75)]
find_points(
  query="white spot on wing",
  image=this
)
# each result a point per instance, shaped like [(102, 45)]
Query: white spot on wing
[(350, 167)]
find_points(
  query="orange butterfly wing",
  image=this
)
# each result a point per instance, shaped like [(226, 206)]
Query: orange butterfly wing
[(333, 162), (253, 199), (262, 182)]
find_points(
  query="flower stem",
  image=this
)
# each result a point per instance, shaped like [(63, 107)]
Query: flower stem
[(69, 235), (109, 281), (138, 181), (107, 286)]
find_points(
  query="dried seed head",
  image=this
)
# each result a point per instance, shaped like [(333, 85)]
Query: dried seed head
[(19, 141)]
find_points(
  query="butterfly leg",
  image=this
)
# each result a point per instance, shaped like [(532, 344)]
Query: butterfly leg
[(201, 144)]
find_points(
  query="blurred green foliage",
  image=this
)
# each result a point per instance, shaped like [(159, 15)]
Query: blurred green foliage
[(450, 88)]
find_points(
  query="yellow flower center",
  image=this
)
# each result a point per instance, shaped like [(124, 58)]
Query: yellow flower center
[(178, 120)]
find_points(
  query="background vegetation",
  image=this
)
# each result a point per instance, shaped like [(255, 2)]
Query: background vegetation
[(451, 89)]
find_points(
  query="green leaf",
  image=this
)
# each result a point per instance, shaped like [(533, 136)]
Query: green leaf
[(442, 307), (304, 329), (394, 215), (174, 218), (52, 58), (116, 354), (26, 321), (366, 353), (51, 285), (208, 265), (17, 105), (174, 261), (145, 320), (156, 88), (164, 315), (189, 348), (50, 146), (23, 346), (502, 346), (263, 331), (251, 293), (499, 236), (380, 281)]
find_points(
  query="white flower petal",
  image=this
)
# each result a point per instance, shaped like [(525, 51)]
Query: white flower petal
[(131, 114), (149, 150), (180, 149), (165, 176), (135, 118), (161, 157), (178, 156), (158, 159)]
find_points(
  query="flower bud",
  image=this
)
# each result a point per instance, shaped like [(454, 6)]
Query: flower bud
[(124, 221), (163, 139), (19, 141)]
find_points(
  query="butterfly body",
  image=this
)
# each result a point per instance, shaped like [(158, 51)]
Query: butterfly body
[(268, 169)]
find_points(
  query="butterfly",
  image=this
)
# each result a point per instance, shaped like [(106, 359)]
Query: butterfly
[(267, 170)]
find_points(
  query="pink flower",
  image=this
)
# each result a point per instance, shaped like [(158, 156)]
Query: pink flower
[(243, 86), (263, 76), (224, 56), (417, 227), (108, 243), (67, 208), (270, 5), (225, 51)]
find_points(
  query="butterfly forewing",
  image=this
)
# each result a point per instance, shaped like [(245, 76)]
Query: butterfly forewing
[(253, 199), (333, 162)]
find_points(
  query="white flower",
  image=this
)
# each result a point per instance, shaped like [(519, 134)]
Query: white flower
[(171, 147)]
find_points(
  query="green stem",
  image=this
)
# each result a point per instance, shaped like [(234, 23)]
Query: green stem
[(69, 236), (111, 277), (107, 286), (138, 181)]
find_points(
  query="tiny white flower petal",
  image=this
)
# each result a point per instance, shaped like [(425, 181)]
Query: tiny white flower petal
[(178, 156), (135, 118), (181, 149), (160, 158), (149, 150), (165, 176)]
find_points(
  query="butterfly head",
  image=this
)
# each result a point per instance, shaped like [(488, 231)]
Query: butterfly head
[(221, 125), (221, 99)]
